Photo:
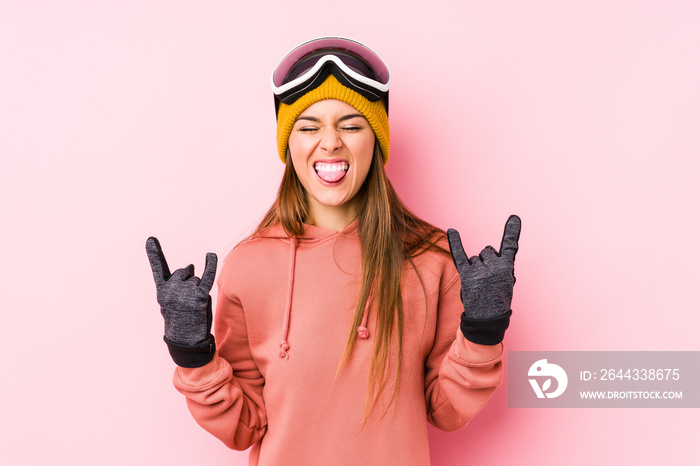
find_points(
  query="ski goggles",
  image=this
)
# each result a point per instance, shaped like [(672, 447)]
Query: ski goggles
[(307, 66)]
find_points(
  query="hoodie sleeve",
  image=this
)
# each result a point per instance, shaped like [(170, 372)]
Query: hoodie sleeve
[(460, 376), (225, 396)]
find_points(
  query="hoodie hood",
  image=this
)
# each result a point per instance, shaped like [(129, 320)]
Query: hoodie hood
[(311, 232)]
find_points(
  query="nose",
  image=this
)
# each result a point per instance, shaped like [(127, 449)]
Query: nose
[(330, 141)]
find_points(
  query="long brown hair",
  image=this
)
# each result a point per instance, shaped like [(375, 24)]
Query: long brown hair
[(390, 234)]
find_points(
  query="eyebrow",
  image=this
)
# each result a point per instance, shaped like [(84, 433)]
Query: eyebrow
[(342, 118)]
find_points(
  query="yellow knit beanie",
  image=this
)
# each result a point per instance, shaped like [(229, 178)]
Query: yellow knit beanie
[(374, 112)]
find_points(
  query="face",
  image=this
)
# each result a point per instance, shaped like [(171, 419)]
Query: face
[(331, 147)]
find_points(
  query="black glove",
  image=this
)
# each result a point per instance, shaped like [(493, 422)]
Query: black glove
[(487, 285), (186, 307)]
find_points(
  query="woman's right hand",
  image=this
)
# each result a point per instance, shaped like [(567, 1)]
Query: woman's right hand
[(184, 298)]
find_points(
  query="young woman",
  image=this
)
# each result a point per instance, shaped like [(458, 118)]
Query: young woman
[(342, 324)]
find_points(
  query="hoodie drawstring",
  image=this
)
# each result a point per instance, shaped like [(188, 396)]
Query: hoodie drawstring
[(362, 330), (284, 344)]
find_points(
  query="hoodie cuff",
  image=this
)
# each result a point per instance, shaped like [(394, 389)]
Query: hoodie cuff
[(485, 331), (192, 355)]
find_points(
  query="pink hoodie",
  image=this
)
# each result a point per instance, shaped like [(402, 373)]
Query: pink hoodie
[(283, 316)]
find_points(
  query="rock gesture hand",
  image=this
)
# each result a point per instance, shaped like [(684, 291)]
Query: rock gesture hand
[(184, 298), (487, 284)]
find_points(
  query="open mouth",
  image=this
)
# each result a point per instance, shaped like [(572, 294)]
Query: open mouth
[(331, 172)]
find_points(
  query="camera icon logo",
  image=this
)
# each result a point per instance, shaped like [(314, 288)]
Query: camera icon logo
[(543, 370)]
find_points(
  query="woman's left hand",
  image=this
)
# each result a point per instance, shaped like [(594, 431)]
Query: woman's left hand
[(487, 284)]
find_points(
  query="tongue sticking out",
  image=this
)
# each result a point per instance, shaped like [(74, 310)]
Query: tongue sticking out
[(331, 172), (331, 177)]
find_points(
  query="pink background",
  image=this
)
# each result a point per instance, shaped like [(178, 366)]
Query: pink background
[(120, 120)]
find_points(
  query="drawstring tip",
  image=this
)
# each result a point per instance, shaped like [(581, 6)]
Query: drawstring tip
[(362, 332), (285, 347)]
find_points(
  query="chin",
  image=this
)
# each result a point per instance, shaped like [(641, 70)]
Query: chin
[(332, 201)]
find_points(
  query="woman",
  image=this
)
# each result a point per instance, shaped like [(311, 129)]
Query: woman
[(339, 324)]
